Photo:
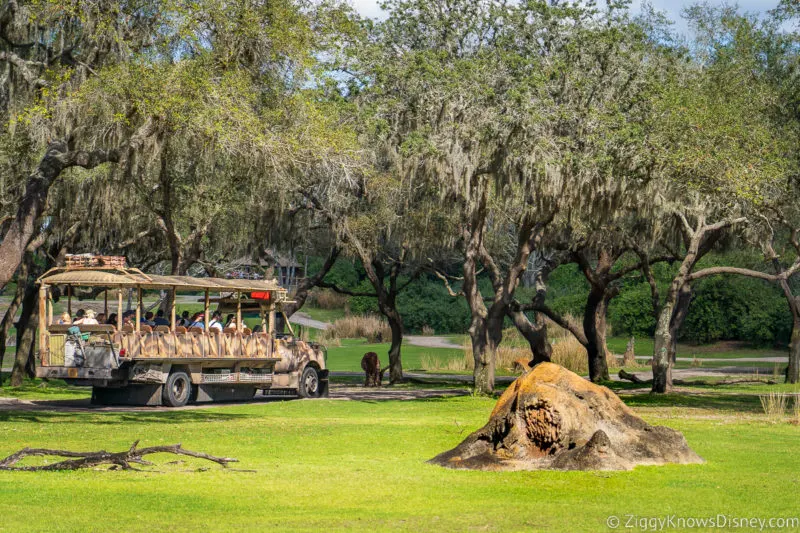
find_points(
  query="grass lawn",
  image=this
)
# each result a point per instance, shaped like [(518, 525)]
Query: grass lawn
[(347, 357), (323, 315), (349, 465)]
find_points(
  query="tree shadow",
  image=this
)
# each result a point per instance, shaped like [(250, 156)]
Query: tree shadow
[(118, 417), (748, 403)]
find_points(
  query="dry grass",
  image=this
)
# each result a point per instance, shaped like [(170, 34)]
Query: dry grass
[(327, 299), (571, 354), (428, 331), (774, 404), (796, 410), (567, 352), (370, 327)]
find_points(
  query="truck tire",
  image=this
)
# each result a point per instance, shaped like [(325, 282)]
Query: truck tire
[(309, 386), (177, 389)]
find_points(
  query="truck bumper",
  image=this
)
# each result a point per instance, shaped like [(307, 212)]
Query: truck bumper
[(71, 372)]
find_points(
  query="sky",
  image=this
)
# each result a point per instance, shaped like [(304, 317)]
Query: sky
[(673, 8)]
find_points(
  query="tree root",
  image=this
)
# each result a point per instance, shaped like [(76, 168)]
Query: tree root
[(636, 379), (121, 460)]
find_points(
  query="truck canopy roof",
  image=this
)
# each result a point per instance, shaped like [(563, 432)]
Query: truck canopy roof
[(133, 278)]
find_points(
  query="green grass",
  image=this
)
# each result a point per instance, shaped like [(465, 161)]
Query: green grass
[(323, 315), (360, 466), (36, 389), (721, 350), (347, 357)]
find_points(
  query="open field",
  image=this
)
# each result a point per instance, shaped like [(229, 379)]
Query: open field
[(347, 357), (358, 465)]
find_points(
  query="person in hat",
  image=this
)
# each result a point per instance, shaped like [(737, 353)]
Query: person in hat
[(89, 319)]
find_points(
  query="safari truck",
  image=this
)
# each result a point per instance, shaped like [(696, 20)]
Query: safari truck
[(172, 365)]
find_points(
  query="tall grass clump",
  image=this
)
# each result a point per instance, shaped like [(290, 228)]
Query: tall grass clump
[(567, 352), (774, 404), (370, 327), (570, 354), (327, 299)]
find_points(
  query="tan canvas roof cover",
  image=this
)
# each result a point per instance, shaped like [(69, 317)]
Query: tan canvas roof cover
[(129, 278)]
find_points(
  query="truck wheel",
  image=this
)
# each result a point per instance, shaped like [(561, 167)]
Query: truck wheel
[(309, 383), (177, 389)]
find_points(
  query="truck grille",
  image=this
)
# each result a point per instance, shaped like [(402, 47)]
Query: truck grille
[(237, 377)]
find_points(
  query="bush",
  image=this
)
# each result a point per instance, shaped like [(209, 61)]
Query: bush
[(631, 313), (737, 309)]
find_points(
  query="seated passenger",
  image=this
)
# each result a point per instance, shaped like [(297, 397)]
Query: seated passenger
[(148, 319), (159, 320), (87, 318), (229, 321), (198, 321), (216, 322), (184, 320), (79, 316), (101, 318), (64, 318), (112, 320)]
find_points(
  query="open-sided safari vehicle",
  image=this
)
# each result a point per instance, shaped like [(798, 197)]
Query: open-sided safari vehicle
[(172, 365)]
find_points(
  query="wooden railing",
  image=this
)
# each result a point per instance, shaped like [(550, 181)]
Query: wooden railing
[(193, 344)]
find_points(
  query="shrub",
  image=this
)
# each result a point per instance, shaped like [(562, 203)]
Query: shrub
[(631, 313), (737, 309)]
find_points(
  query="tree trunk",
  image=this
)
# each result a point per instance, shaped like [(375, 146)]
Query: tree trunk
[(24, 362), (594, 328), (483, 373), (678, 317), (8, 321), (308, 283), (395, 360), (602, 328), (793, 372), (662, 365), (535, 333)]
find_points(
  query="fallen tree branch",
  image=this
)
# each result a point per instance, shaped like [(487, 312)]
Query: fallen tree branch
[(91, 459), (636, 379)]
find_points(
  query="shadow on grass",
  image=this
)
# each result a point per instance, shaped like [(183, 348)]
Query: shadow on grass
[(748, 403), (84, 416)]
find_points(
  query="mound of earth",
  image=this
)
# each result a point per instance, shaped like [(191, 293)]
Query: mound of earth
[(551, 418)]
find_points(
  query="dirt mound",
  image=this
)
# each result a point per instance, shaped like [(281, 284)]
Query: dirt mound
[(551, 418)]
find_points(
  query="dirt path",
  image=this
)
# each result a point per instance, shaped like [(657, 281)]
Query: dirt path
[(431, 341), (304, 320)]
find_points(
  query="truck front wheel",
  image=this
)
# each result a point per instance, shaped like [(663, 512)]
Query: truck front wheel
[(177, 389), (309, 383)]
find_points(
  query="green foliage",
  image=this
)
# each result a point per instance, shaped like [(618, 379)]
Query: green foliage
[(737, 309), (631, 313), (427, 303)]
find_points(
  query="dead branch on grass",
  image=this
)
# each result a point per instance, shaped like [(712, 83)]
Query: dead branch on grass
[(133, 455), (636, 379)]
